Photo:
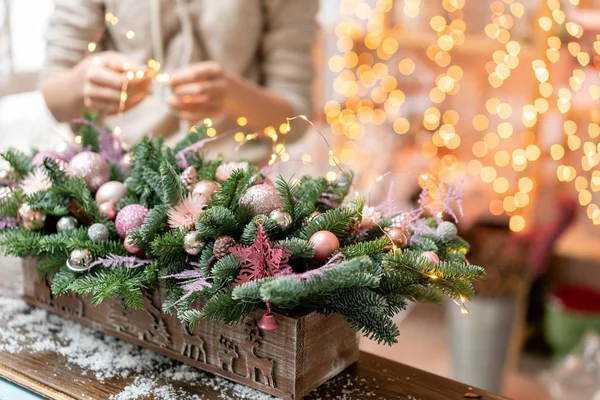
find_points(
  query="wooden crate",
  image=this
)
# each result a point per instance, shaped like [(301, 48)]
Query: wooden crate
[(304, 352)]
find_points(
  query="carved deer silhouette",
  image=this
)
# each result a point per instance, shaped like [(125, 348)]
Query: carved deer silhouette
[(226, 354), (193, 346), (255, 363)]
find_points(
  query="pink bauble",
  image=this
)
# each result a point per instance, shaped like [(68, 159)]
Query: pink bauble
[(431, 257), (67, 150), (325, 244), (112, 191), (92, 167), (130, 217), (38, 159), (132, 248), (108, 209)]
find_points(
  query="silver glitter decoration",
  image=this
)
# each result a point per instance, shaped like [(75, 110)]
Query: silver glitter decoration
[(79, 260), (447, 230), (91, 167), (98, 232), (66, 224), (191, 244), (261, 199), (281, 218)]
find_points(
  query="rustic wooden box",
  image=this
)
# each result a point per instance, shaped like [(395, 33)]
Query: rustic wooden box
[(290, 362)]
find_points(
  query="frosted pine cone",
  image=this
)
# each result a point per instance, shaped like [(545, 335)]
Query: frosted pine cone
[(189, 176), (222, 246)]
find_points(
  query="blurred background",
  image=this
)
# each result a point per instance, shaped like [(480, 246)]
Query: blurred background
[(502, 95)]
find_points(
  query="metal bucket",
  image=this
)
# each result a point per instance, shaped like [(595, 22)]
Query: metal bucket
[(480, 341)]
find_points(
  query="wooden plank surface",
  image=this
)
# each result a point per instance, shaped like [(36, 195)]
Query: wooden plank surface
[(50, 375)]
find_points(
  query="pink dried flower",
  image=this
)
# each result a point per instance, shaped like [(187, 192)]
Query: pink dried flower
[(183, 216), (224, 170), (370, 217), (35, 182)]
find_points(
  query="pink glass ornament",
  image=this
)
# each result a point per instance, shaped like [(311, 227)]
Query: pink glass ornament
[(325, 244), (431, 257), (112, 191), (132, 248), (108, 209), (130, 217), (268, 322)]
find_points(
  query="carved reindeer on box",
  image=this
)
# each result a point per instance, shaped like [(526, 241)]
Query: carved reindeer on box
[(255, 363), (226, 354), (193, 346)]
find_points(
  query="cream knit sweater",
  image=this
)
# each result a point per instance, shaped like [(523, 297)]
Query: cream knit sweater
[(266, 41)]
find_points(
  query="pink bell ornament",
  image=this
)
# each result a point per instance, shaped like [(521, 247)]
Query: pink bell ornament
[(268, 322)]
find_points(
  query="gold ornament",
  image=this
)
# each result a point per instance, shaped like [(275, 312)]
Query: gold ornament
[(399, 236), (205, 189), (31, 219)]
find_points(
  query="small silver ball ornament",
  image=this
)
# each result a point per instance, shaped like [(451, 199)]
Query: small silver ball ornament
[(112, 191), (261, 199), (79, 260), (66, 224), (281, 218), (98, 232), (447, 230), (191, 244)]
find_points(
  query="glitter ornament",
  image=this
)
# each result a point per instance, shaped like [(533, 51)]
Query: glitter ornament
[(431, 257), (67, 151), (66, 224), (205, 189), (281, 218), (447, 230), (189, 177), (92, 167), (222, 246), (131, 248), (399, 236), (261, 199), (108, 209), (326, 243), (29, 218), (225, 170), (191, 244), (98, 232), (38, 159), (79, 260), (112, 191), (130, 217)]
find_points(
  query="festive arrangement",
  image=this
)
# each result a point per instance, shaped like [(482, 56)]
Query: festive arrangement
[(105, 222)]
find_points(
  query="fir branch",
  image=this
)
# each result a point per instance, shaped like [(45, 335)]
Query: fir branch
[(51, 264), (231, 190), (370, 248), (62, 280), (215, 222), (220, 307), (271, 228), (337, 221), (154, 223), (171, 186), (20, 162), (298, 247), (226, 270)]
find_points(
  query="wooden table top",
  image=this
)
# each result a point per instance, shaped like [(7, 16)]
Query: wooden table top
[(51, 375)]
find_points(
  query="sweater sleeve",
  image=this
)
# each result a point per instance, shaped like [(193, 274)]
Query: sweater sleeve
[(287, 65), (73, 25)]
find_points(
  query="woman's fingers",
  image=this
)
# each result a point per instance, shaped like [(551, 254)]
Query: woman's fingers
[(196, 72), (102, 76), (208, 88)]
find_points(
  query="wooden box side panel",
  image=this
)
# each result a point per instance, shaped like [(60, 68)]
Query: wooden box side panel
[(327, 346)]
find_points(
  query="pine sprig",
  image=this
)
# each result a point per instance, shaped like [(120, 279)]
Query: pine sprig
[(172, 189), (20, 162)]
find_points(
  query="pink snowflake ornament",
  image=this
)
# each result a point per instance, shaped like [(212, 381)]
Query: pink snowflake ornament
[(262, 259)]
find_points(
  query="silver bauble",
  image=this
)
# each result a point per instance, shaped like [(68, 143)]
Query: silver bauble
[(447, 230), (79, 260), (98, 232), (281, 218), (92, 167), (112, 191), (29, 218), (191, 244), (261, 199), (66, 224)]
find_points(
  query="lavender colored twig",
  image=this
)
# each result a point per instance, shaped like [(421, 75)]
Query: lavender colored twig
[(8, 222), (111, 147), (6, 182), (181, 161), (112, 261), (195, 281), (333, 261)]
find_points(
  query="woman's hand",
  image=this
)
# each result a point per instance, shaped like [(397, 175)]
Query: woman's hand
[(104, 76), (200, 91)]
